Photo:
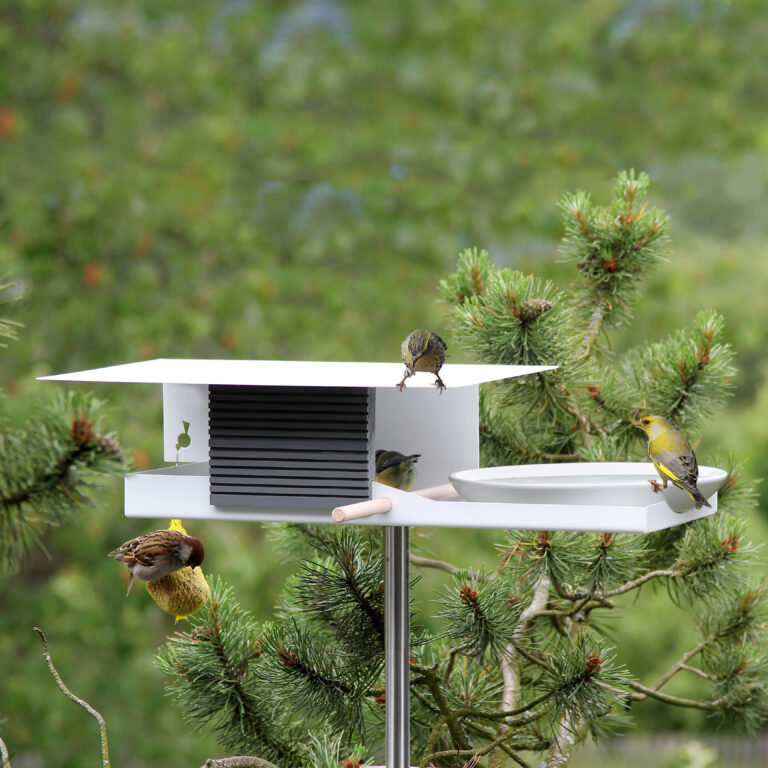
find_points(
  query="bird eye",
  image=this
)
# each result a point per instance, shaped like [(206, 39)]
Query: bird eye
[(646, 422)]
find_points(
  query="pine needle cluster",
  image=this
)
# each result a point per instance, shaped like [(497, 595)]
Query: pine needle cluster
[(50, 468), (518, 672)]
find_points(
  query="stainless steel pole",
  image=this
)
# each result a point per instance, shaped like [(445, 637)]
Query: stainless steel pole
[(397, 647)]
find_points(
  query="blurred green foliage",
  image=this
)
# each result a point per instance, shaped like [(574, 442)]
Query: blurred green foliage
[(291, 180)]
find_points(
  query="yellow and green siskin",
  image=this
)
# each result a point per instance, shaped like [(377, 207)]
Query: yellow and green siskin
[(396, 470), (425, 351), (673, 457)]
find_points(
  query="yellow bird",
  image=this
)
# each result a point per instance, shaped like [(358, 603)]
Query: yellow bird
[(423, 350), (673, 457), (396, 470)]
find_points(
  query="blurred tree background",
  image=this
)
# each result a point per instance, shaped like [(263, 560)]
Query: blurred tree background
[(292, 180)]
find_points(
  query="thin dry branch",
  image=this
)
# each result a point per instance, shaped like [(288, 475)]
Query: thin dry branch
[(238, 761), (71, 696), (678, 665), (441, 565), (4, 754), (679, 701), (509, 670)]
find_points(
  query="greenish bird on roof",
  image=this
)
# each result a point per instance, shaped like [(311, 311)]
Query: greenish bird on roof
[(423, 350), (396, 470), (673, 457)]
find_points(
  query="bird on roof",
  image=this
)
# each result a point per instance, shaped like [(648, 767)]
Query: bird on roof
[(673, 457), (423, 350), (396, 470), (158, 553)]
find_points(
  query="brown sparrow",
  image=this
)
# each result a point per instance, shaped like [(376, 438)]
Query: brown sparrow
[(158, 553)]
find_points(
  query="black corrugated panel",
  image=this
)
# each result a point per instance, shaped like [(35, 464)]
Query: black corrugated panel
[(307, 447)]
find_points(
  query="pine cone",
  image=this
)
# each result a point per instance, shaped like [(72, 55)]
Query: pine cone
[(108, 444), (533, 309)]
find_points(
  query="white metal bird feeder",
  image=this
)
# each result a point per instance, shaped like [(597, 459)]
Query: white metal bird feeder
[(265, 440)]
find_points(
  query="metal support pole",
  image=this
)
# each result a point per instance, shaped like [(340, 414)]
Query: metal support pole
[(397, 653)]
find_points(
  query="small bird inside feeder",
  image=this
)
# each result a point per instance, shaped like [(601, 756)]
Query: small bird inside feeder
[(423, 350), (396, 470)]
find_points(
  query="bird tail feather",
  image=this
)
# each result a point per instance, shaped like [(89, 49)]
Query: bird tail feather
[(698, 498)]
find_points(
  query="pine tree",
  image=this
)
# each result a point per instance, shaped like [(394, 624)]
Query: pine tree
[(49, 468), (520, 673)]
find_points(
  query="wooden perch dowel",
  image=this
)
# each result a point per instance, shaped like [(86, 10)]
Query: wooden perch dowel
[(383, 504), (361, 509), (438, 492)]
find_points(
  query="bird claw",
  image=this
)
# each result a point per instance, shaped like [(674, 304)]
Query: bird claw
[(440, 386), (656, 485), (401, 385)]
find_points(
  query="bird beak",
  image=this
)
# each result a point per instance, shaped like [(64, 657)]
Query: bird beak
[(640, 425)]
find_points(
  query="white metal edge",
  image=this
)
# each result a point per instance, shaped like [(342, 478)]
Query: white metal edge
[(289, 373), (408, 509), (184, 492)]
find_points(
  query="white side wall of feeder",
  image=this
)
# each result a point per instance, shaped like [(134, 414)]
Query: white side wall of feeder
[(185, 403), (444, 429)]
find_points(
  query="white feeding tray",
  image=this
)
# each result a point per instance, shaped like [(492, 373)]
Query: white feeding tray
[(583, 483)]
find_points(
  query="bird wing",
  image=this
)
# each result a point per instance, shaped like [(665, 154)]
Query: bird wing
[(679, 467), (125, 549), (142, 550), (445, 346)]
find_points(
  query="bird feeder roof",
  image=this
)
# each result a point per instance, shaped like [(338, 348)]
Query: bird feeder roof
[(291, 373)]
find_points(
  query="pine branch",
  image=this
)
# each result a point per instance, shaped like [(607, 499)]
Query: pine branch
[(49, 470), (8, 328), (433, 683), (212, 676)]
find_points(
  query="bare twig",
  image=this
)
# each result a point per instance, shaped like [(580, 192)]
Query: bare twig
[(621, 589), (518, 721), (470, 753), (441, 565), (449, 666), (4, 754), (676, 700), (696, 671), (680, 664), (71, 696)]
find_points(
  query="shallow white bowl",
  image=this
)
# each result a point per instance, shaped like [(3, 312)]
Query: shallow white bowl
[(597, 483)]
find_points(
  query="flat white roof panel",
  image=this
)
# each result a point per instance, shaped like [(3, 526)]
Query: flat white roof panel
[(292, 373)]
